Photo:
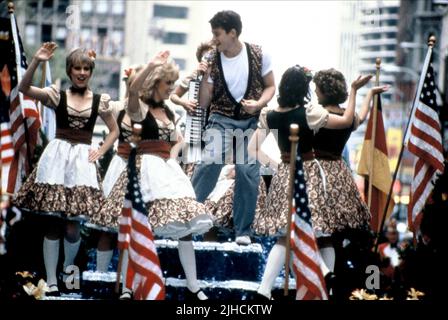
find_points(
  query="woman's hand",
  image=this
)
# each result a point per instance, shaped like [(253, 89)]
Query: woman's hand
[(94, 155), (379, 89), (46, 51), (160, 58), (361, 81)]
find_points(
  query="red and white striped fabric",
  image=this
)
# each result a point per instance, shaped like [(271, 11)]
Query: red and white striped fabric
[(305, 254), (144, 275), (6, 145), (24, 120), (424, 140)]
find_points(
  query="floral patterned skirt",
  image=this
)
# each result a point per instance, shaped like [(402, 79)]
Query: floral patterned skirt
[(335, 207), (173, 211), (64, 183)]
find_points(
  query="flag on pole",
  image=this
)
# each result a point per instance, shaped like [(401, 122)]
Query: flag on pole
[(424, 140), (305, 254), (24, 121), (381, 179), (144, 274)]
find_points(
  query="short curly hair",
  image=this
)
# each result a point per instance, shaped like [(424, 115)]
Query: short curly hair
[(78, 56), (203, 48), (168, 71), (294, 87), (332, 85)]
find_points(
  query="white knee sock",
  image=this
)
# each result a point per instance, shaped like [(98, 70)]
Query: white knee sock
[(51, 256), (329, 258), (188, 261), (70, 252), (124, 270), (274, 264), (103, 259)]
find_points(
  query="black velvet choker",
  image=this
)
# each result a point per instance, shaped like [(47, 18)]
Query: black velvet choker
[(155, 104), (77, 90)]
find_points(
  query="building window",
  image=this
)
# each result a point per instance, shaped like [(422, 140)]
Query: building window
[(62, 5), (86, 6), (182, 63), (30, 34), (47, 4), (86, 37), (61, 34), (117, 42), (33, 4), (101, 6), (175, 38), (46, 33), (118, 7), (170, 12)]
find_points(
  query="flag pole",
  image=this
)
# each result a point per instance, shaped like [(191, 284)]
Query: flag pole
[(431, 43), (136, 132), (294, 138), (375, 114)]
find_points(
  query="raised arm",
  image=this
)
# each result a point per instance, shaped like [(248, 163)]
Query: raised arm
[(367, 101), (44, 53), (177, 96), (346, 120), (137, 83)]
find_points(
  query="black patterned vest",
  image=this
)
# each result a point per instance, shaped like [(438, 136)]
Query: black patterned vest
[(150, 128), (222, 101), (282, 120), (72, 128)]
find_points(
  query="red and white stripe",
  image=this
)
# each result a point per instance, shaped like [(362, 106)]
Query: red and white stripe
[(21, 109), (306, 262), (146, 278), (425, 142), (20, 163)]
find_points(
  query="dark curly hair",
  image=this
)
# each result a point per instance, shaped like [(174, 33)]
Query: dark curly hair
[(332, 85), (202, 49), (227, 20), (294, 87)]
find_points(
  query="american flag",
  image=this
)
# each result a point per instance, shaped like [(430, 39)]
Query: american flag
[(305, 254), (24, 134), (144, 274), (6, 145), (424, 140)]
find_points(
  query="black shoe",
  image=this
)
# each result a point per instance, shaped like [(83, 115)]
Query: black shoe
[(261, 297), (330, 282), (193, 296)]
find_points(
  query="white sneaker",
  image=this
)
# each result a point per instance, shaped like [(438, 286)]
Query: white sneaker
[(243, 240)]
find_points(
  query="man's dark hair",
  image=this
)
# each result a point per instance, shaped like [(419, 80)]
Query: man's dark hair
[(227, 20)]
